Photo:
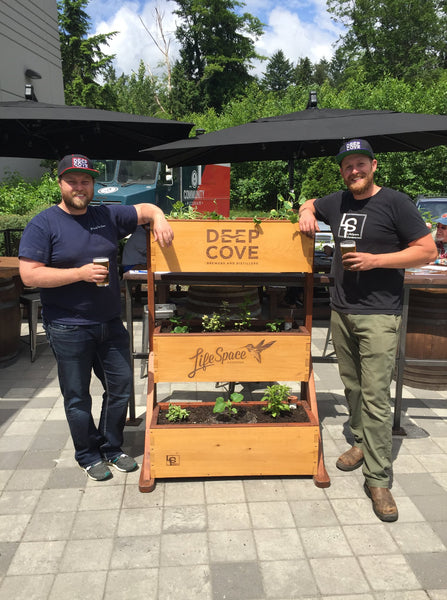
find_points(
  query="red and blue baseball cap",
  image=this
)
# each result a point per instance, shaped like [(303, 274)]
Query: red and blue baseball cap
[(354, 147), (442, 219), (76, 163)]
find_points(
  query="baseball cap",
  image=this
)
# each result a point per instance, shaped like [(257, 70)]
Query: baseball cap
[(442, 219), (354, 147), (76, 163)]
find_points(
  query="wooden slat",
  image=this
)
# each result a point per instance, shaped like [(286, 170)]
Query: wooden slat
[(234, 451), (232, 357), (209, 246)]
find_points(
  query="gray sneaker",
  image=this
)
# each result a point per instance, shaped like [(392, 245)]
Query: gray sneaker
[(98, 472), (124, 463)]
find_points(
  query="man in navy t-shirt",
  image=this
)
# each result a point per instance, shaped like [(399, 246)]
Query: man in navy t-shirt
[(366, 303), (81, 315)]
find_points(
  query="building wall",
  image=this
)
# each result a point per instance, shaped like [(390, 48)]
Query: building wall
[(29, 39)]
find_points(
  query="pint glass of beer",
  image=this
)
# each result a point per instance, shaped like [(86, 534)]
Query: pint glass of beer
[(347, 246), (102, 260)]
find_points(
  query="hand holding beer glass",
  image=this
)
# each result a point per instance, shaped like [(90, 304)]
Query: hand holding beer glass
[(104, 261), (345, 247)]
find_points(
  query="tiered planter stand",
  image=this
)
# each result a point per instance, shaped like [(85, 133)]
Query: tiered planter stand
[(185, 450)]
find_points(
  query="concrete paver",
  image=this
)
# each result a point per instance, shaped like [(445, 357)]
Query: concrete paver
[(65, 536)]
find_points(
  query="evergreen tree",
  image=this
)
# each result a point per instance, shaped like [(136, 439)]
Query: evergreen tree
[(321, 72), (400, 38), (217, 46), (83, 60), (278, 74), (137, 93), (304, 72)]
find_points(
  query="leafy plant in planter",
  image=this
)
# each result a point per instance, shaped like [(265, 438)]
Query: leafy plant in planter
[(176, 413), (217, 321), (178, 327), (245, 317), (284, 210), (276, 397), (183, 211), (221, 405), (275, 325)]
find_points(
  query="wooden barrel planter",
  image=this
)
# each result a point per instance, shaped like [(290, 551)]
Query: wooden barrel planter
[(10, 319), (426, 338)]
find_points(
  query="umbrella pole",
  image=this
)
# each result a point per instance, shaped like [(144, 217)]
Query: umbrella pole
[(291, 173)]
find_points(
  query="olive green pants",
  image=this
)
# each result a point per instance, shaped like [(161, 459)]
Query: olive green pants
[(366, 351)]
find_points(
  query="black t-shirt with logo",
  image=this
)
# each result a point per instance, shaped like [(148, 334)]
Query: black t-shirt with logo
[(386, 222)]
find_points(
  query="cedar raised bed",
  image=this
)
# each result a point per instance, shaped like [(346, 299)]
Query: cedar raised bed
[(232, 449)]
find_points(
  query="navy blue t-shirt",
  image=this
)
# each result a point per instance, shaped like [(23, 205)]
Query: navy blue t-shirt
[(58, 239)]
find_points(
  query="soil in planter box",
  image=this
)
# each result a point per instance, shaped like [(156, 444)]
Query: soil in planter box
[(252, 414)]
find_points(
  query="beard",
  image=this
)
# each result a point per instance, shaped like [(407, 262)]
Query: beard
[(74, 201), (361, 186)]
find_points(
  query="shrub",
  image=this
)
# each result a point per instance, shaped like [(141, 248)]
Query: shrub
[(20, 201), (19, 197)]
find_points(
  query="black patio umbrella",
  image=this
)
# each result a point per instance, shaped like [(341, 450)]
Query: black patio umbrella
[(305, 134), (37, 130)]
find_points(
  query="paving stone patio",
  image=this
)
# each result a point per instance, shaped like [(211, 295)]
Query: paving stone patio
[(65, 536)]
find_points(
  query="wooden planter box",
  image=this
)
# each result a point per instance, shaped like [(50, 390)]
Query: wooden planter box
[(179, 450), (209, 246), (232, 450), (221, 450), (232, 356)]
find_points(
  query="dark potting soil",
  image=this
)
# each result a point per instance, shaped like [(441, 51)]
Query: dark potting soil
[(251, 414)]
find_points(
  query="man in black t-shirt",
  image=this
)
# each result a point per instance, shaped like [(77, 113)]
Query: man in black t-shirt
[(366, 302)]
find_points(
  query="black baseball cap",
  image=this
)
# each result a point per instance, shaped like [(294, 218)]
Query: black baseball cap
[(354, 147), (76, 163)]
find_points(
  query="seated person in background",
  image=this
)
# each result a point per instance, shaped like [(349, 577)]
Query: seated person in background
[(134, 253), (441, 240)]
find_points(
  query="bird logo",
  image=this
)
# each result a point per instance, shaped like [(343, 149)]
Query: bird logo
[(256, 350)]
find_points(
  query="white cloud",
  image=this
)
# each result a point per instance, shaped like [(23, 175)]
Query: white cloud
[(296, 38), (132, 43), (302, 29)]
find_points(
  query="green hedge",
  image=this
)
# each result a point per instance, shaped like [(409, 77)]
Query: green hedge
[(20, 200), (20, 197)]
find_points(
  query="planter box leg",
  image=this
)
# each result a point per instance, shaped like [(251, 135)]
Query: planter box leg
[(321, 478), (147, 482)]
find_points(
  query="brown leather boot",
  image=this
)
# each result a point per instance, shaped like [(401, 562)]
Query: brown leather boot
[(350, 460), (383, 503)]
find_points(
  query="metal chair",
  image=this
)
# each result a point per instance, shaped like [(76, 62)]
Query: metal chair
[(31, 301), (162, 311)]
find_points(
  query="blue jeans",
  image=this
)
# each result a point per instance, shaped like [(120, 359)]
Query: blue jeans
[(105, 349)]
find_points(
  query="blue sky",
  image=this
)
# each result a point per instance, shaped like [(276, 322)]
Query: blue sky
[(299, 28)]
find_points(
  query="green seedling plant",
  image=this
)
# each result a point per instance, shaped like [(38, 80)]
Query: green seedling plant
[(276, 396), (176, 413), (245, 317), (217, 321), (284, 209), (178, 325), (213, 214), (183, 211), (275, 325), (214, 322), (221, 405)]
